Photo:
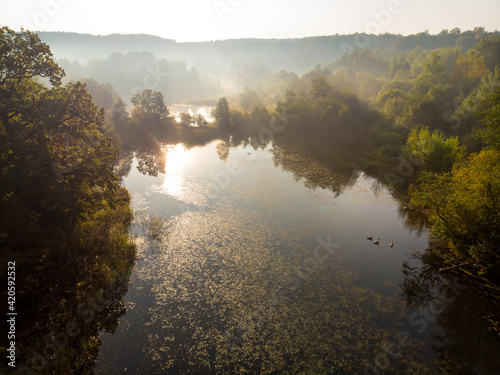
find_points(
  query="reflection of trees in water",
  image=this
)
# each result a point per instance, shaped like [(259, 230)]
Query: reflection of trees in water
[(468, 343), (245, 141), (336, 177), (151, 154), (107, 316), (124, 164), (151, 160), (413, 219), (223, 149), (88, 313)]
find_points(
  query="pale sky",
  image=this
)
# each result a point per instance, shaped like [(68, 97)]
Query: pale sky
[(198, 20)]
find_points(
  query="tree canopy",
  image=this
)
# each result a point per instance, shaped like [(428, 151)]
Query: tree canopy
[(491, 119), (24, 56), (432, 151), (55, 155), (465, 210)]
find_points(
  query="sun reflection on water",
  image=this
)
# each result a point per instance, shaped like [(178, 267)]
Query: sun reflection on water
[(176, 160)]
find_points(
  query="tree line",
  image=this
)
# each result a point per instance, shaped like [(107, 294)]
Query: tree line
[(299, 55)]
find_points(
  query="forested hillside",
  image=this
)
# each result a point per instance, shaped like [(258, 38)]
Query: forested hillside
[(298, 55)]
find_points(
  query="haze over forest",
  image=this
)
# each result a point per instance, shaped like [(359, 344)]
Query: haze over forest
[(205, 70)]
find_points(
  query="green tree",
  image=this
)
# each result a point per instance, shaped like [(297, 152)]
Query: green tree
[(223, 115), (122, 124), (103, 95), (200, 120), (119, 114), (465, 210), (22, 57), (363, 60), (433, 151), (60, 199), (321, 89), (151, 116), (399, 63), (149, 107), (468, 115), (56, 158), (491, 119), (469, 70), (249, 99), (434, 66), (433, 73), (186, 119), (391, 101), (490, 48)]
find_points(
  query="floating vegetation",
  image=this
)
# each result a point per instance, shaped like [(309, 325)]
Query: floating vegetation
[(154, 226), (149, 227), (231, 295)]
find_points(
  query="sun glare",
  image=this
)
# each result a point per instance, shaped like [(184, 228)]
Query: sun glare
[(174, 183)]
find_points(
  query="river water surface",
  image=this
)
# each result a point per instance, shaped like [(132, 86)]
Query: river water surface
[(257, 261)]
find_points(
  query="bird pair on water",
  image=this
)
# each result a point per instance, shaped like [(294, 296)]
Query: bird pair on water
[(377, 241)]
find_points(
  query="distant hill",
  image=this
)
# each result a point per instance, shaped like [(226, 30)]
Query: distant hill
[(299, 55)]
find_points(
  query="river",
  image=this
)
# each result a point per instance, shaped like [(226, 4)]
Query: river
[(256, 260)]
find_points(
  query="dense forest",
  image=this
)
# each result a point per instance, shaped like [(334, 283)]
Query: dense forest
[(421, 113)]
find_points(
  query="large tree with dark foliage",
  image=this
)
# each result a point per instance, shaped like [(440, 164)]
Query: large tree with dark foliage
[(55, 156), (223, 115)]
